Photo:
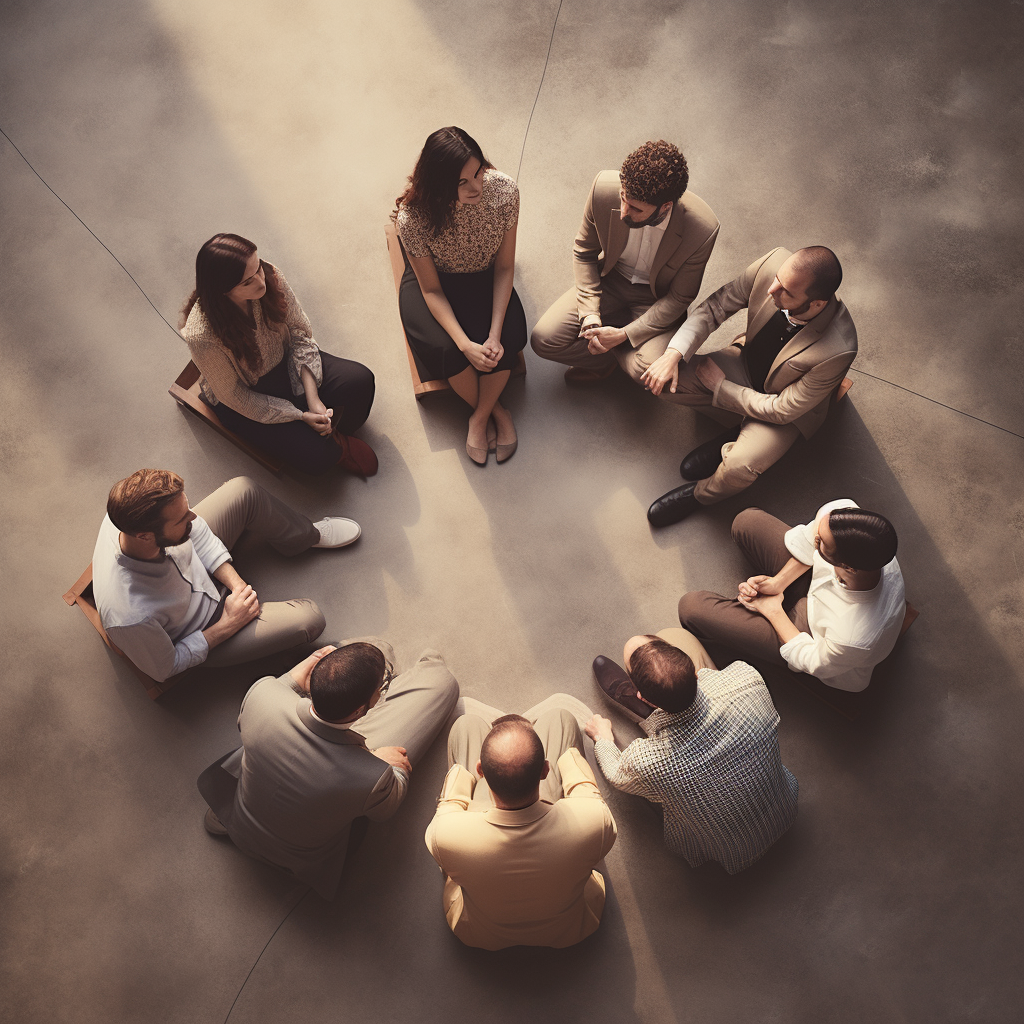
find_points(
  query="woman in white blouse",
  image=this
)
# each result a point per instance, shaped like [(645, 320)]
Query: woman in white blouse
[(465, 324), (261, 369)]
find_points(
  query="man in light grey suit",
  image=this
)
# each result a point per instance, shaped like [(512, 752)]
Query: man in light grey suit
[(321, 746)]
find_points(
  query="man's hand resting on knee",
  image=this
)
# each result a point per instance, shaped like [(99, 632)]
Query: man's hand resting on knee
[(240, 608), (395, 756), (664, 370)]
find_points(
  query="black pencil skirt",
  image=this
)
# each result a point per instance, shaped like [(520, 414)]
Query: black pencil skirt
[(348, 388), (471, 297)]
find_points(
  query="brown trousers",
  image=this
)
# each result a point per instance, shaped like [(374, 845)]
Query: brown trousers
[(720, 620)]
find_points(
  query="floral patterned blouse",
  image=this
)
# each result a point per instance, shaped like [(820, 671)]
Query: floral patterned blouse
[(226, 380), (472, 241)]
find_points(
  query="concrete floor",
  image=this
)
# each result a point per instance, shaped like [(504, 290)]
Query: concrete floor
[(891, 133)]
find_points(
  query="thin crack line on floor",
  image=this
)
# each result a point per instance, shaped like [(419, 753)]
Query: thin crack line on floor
[(863, 373), (262, 951), (935, 401), (540, 85), (90, 230)]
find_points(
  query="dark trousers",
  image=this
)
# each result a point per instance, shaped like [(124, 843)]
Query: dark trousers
[(471, 297), (761, 538), (347, 388)]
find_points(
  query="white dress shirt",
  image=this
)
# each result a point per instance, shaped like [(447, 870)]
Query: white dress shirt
[(638, 257), (156, 611), (851, 631)]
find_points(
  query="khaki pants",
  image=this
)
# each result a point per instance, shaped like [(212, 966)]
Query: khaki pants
[(556, 721), (760, 537), (239, 505), (556, 335), (759, 446), (417, 704)]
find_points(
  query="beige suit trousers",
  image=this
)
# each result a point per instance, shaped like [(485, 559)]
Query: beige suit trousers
[(557, 334), (556, 721), (759, 445), (240, 505)]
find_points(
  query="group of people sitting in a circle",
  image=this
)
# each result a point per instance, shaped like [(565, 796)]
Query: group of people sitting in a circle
[(521, 824)]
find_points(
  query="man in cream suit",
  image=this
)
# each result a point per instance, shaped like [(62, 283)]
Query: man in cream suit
[(321, 746), (638, 261), (519, 828), (772, 385)]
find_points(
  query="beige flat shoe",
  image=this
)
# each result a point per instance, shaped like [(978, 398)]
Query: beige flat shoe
[(504, 452), (492, 435)]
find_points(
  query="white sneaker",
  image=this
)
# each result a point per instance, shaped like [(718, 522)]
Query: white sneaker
[(336, 532)]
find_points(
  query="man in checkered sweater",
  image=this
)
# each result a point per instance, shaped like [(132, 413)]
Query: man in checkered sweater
[(711, 757)]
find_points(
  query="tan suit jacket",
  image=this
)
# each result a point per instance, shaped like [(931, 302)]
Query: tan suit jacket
[(523, 877), (804, 374), (678, 266)]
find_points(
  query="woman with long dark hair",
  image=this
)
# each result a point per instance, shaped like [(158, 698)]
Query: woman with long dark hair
[(261, 369), (465, 324)]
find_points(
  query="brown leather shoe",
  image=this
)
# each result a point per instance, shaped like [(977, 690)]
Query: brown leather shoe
[(356, 456), (619, 688), (588, 374)]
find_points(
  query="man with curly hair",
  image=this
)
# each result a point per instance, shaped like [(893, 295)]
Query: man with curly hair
[(638, 259)]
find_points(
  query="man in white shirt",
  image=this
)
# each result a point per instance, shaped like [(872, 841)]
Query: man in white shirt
[(156, 560), (638, 261), (332, 740), (854, 606)]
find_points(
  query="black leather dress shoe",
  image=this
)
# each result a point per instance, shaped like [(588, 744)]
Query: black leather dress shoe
[(672, 507), (706, 457), (619, 688)]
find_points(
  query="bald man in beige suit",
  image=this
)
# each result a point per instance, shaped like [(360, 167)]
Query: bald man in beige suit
[(638, 261), (520, 827), (771, 386)]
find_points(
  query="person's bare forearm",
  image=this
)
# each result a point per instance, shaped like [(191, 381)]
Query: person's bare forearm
[(309, 385), (441, 311), (226, 574), (502, 293), (783, 625), (791, 572)]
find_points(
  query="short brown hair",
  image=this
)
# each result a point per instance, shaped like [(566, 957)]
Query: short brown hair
[(663, 675), (136, 504), (655, 173)]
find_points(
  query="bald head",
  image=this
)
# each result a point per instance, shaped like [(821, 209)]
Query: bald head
[(821, 269), (512, 759)]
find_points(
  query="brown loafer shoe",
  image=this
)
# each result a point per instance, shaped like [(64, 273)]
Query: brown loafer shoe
[(588, 375), (356, 456), (619, 688)]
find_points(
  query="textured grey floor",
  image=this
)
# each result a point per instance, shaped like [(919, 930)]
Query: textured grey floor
[(889, 132)]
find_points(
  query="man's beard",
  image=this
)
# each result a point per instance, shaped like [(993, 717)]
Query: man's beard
[(799, 311), (164, 542), (653, 221)]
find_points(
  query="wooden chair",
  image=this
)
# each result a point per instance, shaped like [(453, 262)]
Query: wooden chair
[(185, 391), (841, 389), (81, 595), (421, 387), (849, 705)]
